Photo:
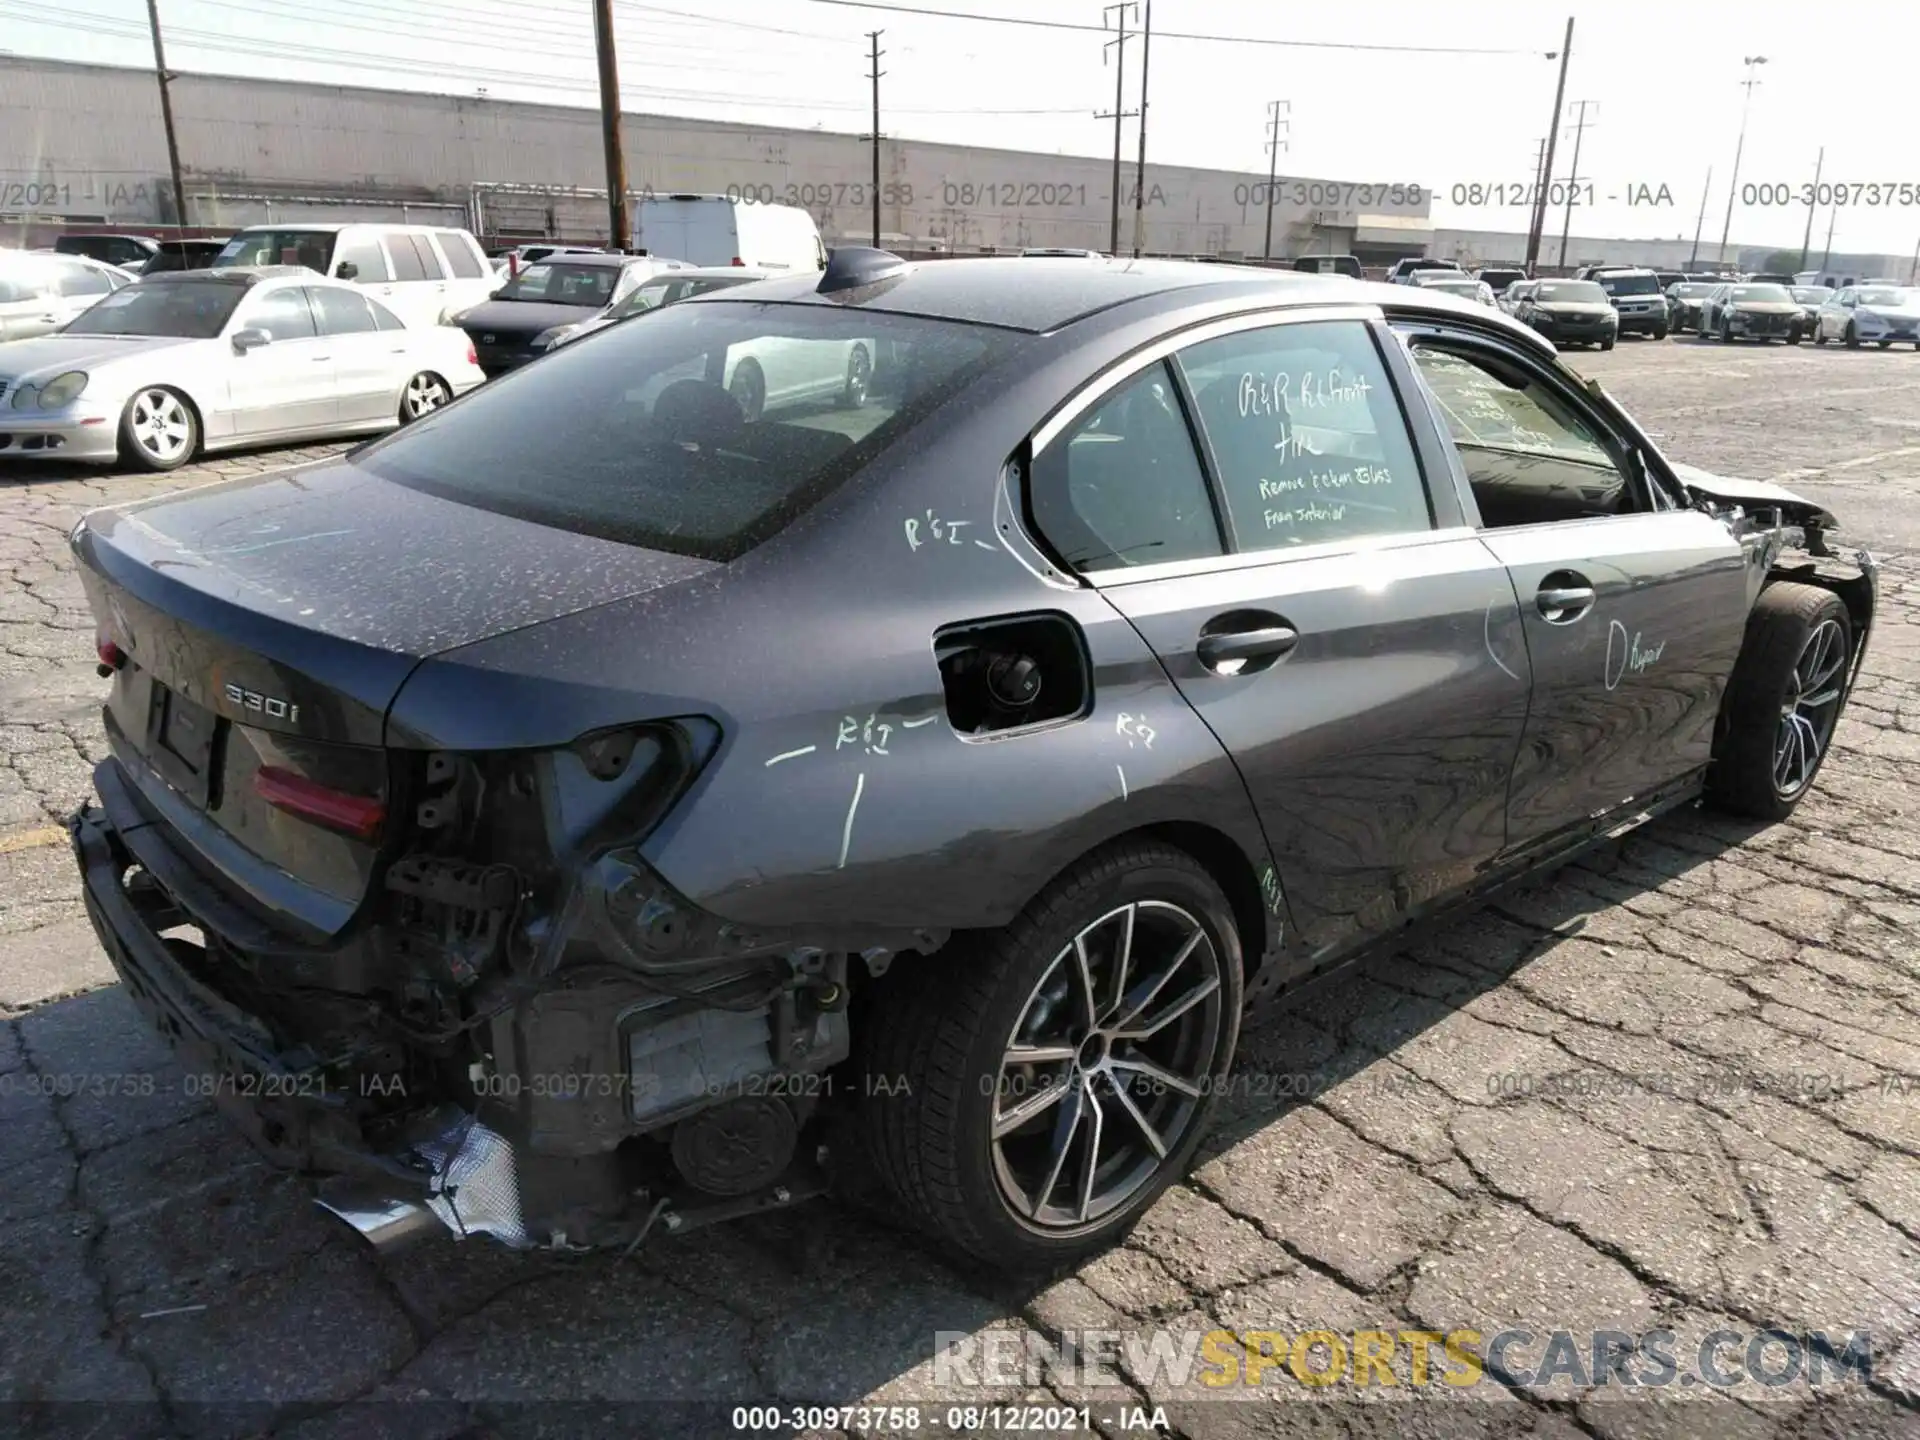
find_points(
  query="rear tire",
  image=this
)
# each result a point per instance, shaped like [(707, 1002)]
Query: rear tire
[(1783, 701), (1606, 344), (1852, 337), (942, 1075), (749, 390), (159, 430), (859, 375), (425, 393)]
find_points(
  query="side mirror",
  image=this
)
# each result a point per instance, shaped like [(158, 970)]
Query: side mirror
[(347, 270), (250, 339)]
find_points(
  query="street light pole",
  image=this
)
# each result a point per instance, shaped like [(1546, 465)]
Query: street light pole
[(1806, 240), (1700, 224), (1733, 185), (1539, 225)]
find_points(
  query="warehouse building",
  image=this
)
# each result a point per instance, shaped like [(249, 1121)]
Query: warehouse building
[(83, 144)]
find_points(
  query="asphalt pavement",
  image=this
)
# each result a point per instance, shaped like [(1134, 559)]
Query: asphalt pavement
[(1675, 1087)]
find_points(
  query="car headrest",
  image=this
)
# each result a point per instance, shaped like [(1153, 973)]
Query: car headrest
[(697, 412)]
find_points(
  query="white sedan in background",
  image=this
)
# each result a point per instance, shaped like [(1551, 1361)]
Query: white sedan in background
[(40, 290), (191, 361), (1870, 315)]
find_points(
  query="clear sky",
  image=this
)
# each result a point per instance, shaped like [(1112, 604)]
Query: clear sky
[(1663, 80)]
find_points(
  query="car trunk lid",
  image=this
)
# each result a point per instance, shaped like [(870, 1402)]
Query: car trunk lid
[(258, 632)]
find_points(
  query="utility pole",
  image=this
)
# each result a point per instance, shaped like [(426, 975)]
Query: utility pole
[(619, 234), (1806, 241), (1119, 47), (874, 51), (1573, 179), (166, 115), (1733, 185), (1539, 223), (1140, 165), (1913, 267), (1274, 146), (1700, 224), (1832, 216)]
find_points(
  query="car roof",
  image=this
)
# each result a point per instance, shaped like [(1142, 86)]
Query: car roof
[(710, 272), (1038, 294)]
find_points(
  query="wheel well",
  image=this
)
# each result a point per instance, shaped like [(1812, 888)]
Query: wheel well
[(1230, 868)]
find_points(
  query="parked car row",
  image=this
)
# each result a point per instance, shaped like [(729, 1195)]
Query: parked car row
[(306, 331)]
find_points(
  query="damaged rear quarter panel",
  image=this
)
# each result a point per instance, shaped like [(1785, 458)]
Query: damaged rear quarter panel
[(841, 795)]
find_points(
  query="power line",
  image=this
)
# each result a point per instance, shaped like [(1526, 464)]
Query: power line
[(306, 54), (1178, 34)]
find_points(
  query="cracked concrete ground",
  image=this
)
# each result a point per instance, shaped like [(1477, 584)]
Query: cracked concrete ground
[(1672, 1087)]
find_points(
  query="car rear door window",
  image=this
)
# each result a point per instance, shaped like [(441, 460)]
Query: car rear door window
[(383, 318), (368, 259), (341, 312), (1123, 486), (1306, 435), (429, 262), (284, 314), (406, 259), (459, 253), (75, 280)]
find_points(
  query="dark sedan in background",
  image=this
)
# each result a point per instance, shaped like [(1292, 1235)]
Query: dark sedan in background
[(523, 318), (621, 804), (1569, 312), (1751, 312)]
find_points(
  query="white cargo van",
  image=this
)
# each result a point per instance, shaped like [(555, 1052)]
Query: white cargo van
[(715, 230), (425, 273)]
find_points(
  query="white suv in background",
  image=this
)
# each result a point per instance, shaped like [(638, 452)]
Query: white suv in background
[(425, 273)]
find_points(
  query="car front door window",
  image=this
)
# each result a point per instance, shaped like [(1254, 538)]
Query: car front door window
[(283, 314)]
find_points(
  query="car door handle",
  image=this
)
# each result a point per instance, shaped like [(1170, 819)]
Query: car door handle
[(1217, 650), (1564, 603)]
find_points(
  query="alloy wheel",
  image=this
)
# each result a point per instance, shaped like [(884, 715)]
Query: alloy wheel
[(1810, 709), (161, 425), (425, 393), (1105, 1071)]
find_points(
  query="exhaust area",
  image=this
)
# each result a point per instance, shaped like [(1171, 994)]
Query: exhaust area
[(473, 1190), (389, 1223)]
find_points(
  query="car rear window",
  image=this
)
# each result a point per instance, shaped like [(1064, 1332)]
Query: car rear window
[(1570, 292), (1762, 294), (698, 429), (1644, 284)]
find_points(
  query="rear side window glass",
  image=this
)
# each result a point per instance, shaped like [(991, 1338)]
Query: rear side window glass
[(384, 318), (429, 262), (700, 429), (406, 259), (1122, 486), (342, 312), (78, 280), (459, 253), (1307, 435), (283, 314), (369, 260)]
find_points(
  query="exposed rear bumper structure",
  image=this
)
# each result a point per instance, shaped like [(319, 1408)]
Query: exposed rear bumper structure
[(443, 1173)]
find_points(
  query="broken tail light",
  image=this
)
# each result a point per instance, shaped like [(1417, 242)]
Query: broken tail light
[(355, 815)]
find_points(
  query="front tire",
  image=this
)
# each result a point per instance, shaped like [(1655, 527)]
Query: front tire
[(1783, 701), (1852, 337), (159, 430), (1031, 1091), (1606, 344)]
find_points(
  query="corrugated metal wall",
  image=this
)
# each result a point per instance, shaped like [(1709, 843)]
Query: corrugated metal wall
[(93, 133)]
